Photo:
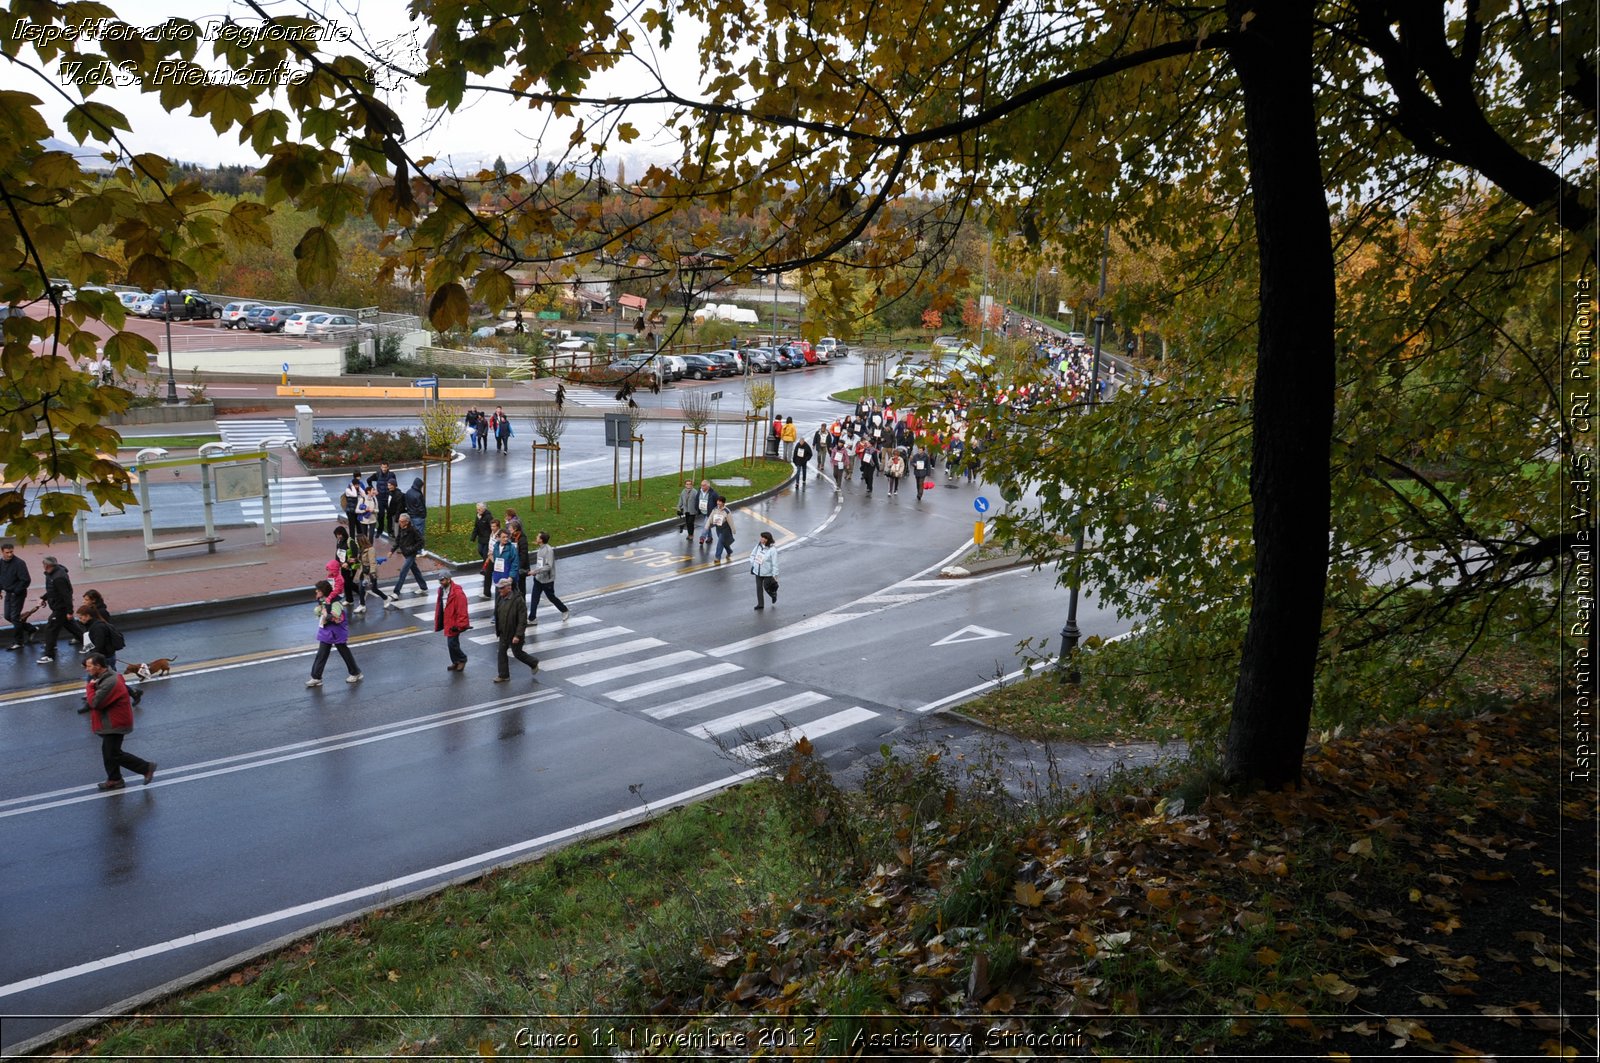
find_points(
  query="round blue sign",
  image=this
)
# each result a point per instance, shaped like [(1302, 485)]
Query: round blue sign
[(980, 504)]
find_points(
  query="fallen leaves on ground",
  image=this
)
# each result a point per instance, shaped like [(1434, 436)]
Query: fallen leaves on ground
[(1408, 897)]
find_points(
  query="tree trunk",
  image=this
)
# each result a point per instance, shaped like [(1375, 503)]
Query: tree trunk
[(1294, 394)]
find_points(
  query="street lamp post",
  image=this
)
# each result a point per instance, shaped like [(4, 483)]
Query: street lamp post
[(172, 381), (1066, 666)]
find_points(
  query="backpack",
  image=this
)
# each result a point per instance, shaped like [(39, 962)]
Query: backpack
[(117, 642)]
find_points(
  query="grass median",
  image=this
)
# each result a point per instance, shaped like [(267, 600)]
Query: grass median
[(591, 512)]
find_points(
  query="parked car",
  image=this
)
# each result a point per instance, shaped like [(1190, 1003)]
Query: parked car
[(141, 305), (182, 306), (806, 350), (728, 363), (1077, 339), (672, 367), (270, 318), (760, 360), (341, 326), (234, 313), (130, 298), (699, 367), (298, 324), (832, 348), (642, 367)]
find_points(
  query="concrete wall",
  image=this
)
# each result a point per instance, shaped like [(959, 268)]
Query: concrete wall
[(303, 361)]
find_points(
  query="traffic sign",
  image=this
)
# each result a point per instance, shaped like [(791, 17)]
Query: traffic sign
[(714, 396), (425, 382), (285, 367), (980, 504)]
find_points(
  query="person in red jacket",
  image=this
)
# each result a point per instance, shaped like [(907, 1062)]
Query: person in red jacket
[(110, 712), (450, 616)]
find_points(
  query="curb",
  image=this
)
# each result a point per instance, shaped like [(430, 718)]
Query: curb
[(160, 614)]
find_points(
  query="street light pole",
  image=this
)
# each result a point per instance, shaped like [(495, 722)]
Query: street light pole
[(172, 381), (1066, 666)]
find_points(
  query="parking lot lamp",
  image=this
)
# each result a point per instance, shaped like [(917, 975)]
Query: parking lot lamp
[(172, 380)]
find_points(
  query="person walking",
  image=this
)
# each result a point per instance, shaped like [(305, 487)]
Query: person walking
[(57, 597), (450, 616), (99, 634), (351, 497), (510, 627), (367, 574), (417, 506), (921, 469), (390, 505), (333, 631), (502, 431), (841, 468), (342, 570), (488, 560), (869, 464), (519, 541), (14, 583), (720, 525), (504, 562), (764, 566), (110, 707), (895, 469), (791, 435), (482, 525), (688, 503), (366, 514), (706, 501), (544, 579), (802, 462), (408, 543)]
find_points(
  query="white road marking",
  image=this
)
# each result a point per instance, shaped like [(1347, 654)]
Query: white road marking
[(970, 633), (714, 696), (294, 751), (813, 730), (553, 642), (375, 890), (572, 660), (987, 684), (652, 664), (734, 721), (671, 682), (795, 630)]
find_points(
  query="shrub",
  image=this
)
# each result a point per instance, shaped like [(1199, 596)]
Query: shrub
[(362, 446)]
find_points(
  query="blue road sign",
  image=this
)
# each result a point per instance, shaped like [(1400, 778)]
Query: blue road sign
[(980, 504), (425, 382), (285, 367)]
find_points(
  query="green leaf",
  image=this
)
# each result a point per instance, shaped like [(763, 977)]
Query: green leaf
[(316, 257)]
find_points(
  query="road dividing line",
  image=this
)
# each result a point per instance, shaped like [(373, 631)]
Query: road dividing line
[(295, 751), (789, 736), (376, 890)]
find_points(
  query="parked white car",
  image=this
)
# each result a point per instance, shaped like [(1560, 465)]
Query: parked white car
[(141, 306), (129, 298), (298, 324), (335, 325), (233, 314)]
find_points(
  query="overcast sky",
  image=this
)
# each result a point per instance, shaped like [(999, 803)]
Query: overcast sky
[(483, 129)]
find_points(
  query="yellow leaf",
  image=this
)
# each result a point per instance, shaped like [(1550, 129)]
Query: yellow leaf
[(1361, 847), (1028, 894), (1335, 987), (1267, 957), (394, 976), (486, 1049)]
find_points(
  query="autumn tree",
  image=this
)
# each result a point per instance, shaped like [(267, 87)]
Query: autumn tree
[(1244, 127)]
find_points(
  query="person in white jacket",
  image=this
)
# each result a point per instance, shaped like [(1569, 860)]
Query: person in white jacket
[(764, 565)]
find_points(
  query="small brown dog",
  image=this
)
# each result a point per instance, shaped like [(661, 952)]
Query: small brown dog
[(149, 669)]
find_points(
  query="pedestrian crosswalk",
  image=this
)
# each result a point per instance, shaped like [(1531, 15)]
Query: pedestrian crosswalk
[(749, 715), (295, 500), (589, 397), (248, 433)]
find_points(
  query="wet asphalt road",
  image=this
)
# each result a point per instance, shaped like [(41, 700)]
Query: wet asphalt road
[(279, 808)]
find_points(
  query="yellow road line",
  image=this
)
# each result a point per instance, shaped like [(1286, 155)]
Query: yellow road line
[(215, 662)]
